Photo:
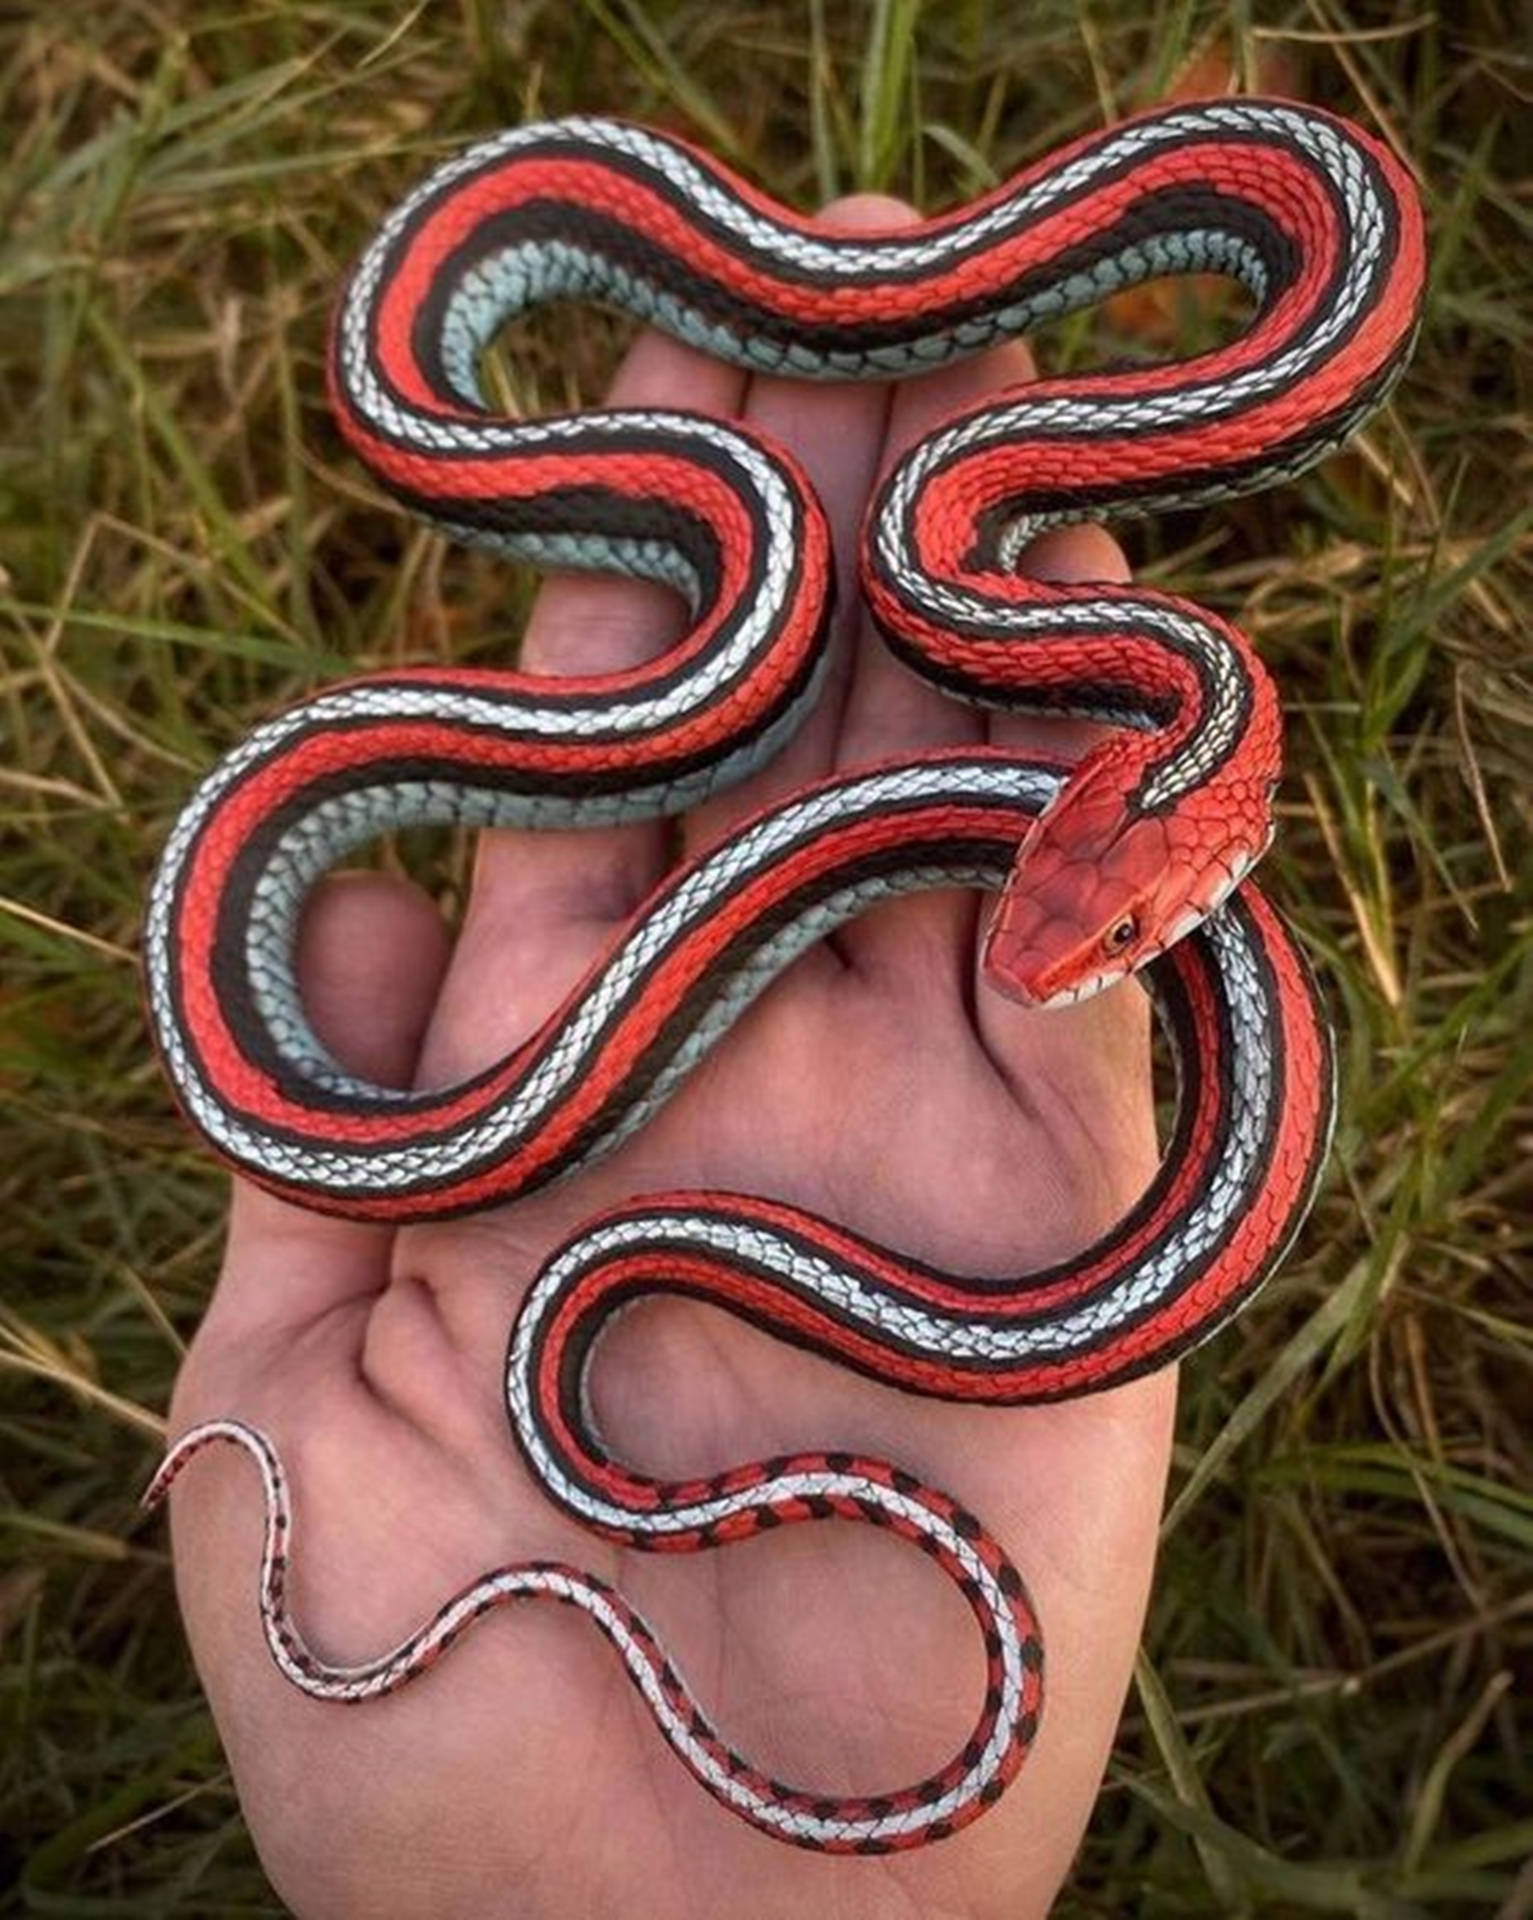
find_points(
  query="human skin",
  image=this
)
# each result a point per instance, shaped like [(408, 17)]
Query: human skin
[(880, 1082)]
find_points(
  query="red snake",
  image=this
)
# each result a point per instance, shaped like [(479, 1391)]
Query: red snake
[(1131, 860)]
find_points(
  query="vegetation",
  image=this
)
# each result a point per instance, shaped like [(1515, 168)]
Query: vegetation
[(1327, 1715)]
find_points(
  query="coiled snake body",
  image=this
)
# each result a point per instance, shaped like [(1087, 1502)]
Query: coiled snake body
[(1129, 861)]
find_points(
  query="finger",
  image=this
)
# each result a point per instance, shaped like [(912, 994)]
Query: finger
[(371, 954), (544, 903), (1066, 555), (890, 711), (836, 430)]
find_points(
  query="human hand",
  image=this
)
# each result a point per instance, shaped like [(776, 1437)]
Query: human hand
[(878, 1083)]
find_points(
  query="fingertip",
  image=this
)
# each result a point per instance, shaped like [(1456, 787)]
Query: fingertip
[(1080, 553), (866, 213)]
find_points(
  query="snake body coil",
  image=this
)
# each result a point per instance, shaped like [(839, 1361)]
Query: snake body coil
[(1128, 861)]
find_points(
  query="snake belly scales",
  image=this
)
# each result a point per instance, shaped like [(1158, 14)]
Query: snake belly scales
[(1129, 861)]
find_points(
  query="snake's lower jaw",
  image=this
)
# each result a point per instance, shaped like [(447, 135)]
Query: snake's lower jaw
[(1047, 999), (1005, 983)]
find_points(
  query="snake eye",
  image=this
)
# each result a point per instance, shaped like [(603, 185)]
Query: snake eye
[(1122, 935)]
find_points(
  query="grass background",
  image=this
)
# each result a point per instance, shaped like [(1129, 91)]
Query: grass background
[(1328, 1715)]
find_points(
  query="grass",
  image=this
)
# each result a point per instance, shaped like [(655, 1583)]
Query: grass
[(1327, 1717)]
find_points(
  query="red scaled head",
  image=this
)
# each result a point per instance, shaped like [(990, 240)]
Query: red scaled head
[(1100, 887)]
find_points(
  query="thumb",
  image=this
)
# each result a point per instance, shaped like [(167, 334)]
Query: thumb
[(372, 952)]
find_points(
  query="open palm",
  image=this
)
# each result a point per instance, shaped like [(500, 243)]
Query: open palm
[(880, 1083)]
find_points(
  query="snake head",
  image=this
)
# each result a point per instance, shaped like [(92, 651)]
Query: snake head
[(1101, 887)]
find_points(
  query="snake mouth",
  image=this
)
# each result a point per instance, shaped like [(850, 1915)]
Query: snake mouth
[(1086, 989), (1042, 990)]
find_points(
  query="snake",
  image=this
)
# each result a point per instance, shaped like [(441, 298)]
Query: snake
[(1133, 860)]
